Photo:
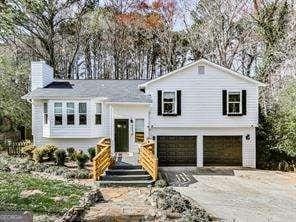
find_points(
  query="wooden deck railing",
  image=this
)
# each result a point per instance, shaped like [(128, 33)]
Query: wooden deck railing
[(147, 158), (103, 159)]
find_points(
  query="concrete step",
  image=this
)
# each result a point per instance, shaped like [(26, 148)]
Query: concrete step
[(126, 177), (127, 167), (126, 172), (131, 183)]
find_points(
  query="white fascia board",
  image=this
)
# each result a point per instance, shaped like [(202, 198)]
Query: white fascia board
[(229, 71)]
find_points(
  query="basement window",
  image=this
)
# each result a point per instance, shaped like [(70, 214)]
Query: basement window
[(58, 114)]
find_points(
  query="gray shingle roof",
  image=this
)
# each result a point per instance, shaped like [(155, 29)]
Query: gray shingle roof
[(112, 90)]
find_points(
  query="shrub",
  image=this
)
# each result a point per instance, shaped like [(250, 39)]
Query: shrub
[(77, 174), (92, 153), (28, 150), (160, 183), (81, 159), (38, 155), (60, 157), (71, 153), (49, 151), (4, 167)]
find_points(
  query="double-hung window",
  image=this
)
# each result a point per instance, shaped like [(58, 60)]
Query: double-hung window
[(234, 103), (98, 115), (45, 113), (70, 114), (58, 114), (169, 103), (82, 114)]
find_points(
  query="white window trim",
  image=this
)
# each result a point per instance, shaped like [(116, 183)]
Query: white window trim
[(98, 113), (54, 113), (79, 113), (45, 113), (175, 101), (240, 102)]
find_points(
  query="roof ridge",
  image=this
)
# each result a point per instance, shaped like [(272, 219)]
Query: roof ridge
[(102, 79)]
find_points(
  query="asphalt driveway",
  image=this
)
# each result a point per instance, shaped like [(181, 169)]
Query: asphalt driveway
[(240, 195)]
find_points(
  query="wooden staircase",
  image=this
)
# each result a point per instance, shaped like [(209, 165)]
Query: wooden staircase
[(110, 172), (126, 176)]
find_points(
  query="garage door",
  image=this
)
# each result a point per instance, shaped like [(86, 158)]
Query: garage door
[(222, 150), (176, 150)]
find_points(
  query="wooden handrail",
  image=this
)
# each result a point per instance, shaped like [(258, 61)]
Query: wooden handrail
[(147, 158), (103, 159)]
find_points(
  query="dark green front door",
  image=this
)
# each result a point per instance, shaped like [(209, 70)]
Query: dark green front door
[(121, 135)]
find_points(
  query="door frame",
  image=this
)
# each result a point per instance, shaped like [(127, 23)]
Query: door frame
[(128, 133)]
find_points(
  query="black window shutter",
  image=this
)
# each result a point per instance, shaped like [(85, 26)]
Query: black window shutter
[(224, 102), (179, 103), (159, 102), (244, 102)]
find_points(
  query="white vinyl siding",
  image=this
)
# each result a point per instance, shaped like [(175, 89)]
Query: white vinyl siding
[(41, 74), (202, 99)]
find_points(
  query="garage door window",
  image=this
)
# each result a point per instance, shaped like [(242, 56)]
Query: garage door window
[(169, 103), (234, 103)]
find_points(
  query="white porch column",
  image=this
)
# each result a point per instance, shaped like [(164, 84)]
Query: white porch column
[(249, 147), (199, 150)]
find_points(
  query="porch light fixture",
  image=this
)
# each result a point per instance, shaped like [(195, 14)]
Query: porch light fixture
[(248, 137)]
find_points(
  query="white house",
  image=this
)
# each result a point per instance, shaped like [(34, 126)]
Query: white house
[(201, 114)]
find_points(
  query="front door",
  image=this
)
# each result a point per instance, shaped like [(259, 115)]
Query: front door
[(121, 135)]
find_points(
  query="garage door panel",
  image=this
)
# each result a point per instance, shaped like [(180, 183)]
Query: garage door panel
[(176, 150), (222, 150)]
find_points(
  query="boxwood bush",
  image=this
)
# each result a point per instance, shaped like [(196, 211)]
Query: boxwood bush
[(60, 157), (81, 159)]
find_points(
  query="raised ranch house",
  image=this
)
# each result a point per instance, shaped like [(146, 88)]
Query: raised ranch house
[(202, 114)]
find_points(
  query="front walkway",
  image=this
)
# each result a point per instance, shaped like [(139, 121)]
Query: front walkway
[(123, 204), (124, 159), (243, 195)]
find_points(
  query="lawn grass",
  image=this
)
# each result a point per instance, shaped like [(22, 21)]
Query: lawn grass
[(11, 186)]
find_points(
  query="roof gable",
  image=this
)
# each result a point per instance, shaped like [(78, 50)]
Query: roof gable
[(206, 62)]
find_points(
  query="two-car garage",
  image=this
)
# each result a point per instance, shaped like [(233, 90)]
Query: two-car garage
[(182, 150)]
